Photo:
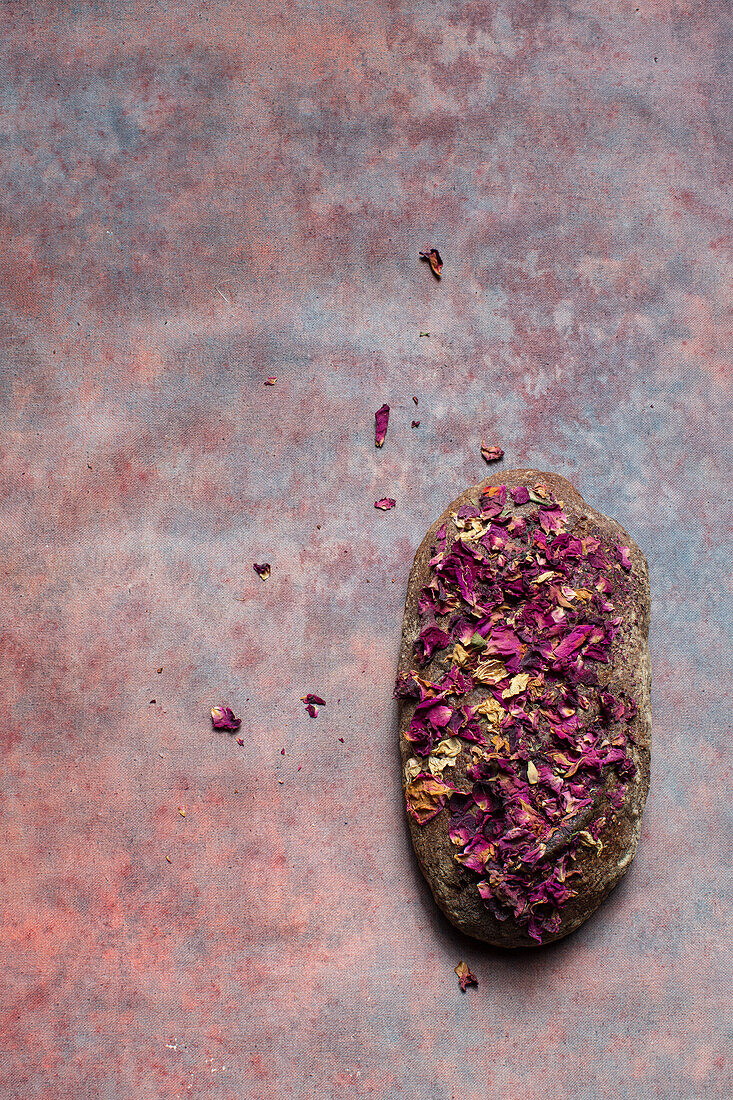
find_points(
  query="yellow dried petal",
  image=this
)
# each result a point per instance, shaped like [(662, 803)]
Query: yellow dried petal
[(413, 767), (490, 671), (491, 710), (424, 796), (517, 685), (532, 774), (536, 688), (460, 655), (475, 529), (438, 764), (451, 746), (444, 756)]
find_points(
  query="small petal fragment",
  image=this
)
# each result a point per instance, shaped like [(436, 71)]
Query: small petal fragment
[(465, 977), (262, 570), (491, 454), (311, 698), (270, 381), (223, 718), (385, 504), (381, 420), (433, 258)]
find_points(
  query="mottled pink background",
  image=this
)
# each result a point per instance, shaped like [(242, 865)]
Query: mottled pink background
[(196, 196)]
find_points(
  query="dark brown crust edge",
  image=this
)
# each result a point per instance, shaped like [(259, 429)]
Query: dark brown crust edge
[(630, 672)]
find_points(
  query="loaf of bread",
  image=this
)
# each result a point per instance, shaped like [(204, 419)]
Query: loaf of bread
[(524, 713)]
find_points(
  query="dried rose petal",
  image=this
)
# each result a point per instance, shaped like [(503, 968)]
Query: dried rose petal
[(381, 420), (270, 381), (491, 454), (433, 258), (310, 698), (223, 719), (426, 796), (415, 424), (415, 400), (465, 977), (520, 495), (385, 503), (313, 711), (262, 570), (624, 556)]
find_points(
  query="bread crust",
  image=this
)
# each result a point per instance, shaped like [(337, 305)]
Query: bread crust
[(628, 672)]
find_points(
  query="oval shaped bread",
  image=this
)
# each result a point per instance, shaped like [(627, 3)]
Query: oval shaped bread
[(524, 710)]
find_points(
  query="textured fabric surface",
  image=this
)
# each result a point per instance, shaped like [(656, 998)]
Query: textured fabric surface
[(196, 196)]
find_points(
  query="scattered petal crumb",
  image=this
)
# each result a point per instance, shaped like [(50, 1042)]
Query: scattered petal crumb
[(282, 752), (433, 258), (385, 504), (169, 859), (465, 977), (381, 420), (299, 766), (223, 719), (491, 454), (341, 740), (240, 741), (159, 670), (415, 400), (262, 570), (311, 698), (271, 381), (181, 811), (424, 333), (415, 424)]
